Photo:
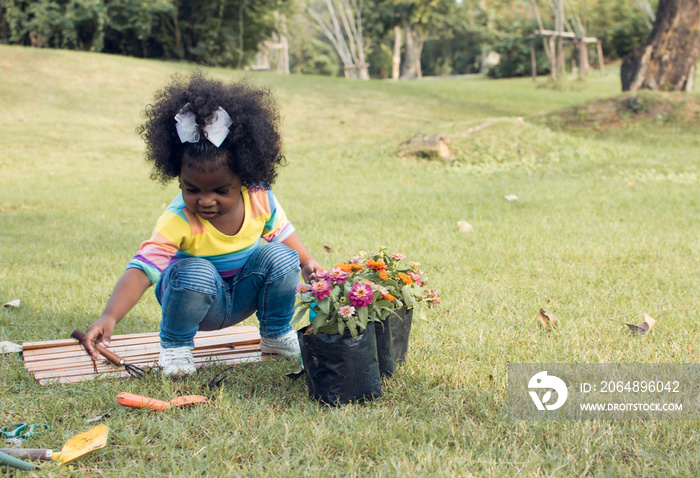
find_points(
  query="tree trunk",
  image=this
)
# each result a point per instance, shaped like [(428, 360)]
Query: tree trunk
[(667, 58), (408, 68), (421, 37), (396, 60)]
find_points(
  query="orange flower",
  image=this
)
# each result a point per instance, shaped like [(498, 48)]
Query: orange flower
[(388, 297), (376, 265), (383, 275), (406, 279)]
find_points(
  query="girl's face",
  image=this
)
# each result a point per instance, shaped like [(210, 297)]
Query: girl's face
[(214, 196)]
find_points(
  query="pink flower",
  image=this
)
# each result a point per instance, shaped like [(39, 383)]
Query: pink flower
[(346, 311), (361, 294), (398, 256), (320, 289), (431, 297), (416, 277), (337, 275), (303, 288)]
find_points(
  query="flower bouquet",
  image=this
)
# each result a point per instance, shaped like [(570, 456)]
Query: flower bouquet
[(367, 288)]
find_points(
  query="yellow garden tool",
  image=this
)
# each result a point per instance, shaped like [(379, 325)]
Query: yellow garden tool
[(74, 448)]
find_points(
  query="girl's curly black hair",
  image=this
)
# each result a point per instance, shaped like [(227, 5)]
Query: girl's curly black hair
[(252, 149)]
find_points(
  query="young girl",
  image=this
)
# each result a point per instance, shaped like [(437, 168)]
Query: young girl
[(223, 248)]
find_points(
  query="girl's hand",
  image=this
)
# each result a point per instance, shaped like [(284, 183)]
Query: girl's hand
[(100, 331), (310, 270)]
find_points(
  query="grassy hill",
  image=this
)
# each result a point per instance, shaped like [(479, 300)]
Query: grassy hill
[(605, 229)]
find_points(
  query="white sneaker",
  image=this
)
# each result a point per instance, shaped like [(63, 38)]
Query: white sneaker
[(177, 361), (286, 345)]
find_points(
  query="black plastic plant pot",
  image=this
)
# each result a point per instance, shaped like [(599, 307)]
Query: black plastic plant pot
[(392, 340), (340, 368)]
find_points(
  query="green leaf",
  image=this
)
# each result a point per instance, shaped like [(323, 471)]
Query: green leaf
[(300, 313), (407, 297), (352, 326), (421, 314), (386, 312), (341, 327), (319, 321), (325, 306), (363, 314)]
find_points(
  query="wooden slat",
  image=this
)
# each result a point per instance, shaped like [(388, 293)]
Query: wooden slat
[(257, 357), (68, 362), (140, 360), (40, 348), (253, 356), (129, 352)]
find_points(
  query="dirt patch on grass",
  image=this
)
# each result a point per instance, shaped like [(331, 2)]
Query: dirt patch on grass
[(628, 110)]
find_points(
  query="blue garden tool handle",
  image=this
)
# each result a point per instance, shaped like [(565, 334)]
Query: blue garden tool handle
[(6, 459), (23, 430), (35, 428), (14, 430)]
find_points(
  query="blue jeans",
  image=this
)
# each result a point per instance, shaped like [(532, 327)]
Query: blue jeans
[(194, 296)]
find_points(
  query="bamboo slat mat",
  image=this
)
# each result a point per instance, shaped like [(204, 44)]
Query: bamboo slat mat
[(66, 361)]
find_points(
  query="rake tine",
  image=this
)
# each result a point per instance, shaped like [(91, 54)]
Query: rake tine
[(135, 371)]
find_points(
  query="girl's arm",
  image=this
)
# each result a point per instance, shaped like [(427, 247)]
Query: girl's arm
[(309, 267), (126, 294)]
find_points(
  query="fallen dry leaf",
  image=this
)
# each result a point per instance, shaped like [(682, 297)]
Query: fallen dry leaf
[(644, 327), (465, 227), (12, 303), (548, 321)]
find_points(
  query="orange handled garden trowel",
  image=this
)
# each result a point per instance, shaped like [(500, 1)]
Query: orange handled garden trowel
[(137, 401), (74, 448)]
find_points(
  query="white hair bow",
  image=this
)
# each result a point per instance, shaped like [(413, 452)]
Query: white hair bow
[(215, 130)]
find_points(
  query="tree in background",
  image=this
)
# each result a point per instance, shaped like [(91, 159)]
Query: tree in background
[(408, 37), (215, 32), (410, 23), (341, 22), (667, 60), (308, 52)]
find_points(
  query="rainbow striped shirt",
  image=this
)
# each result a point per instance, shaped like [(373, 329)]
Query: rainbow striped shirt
[(179, 233)]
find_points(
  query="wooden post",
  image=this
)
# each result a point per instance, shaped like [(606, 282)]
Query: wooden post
[(559, 27), (533, 60), (583, 57), (600, 58), (553, 57)]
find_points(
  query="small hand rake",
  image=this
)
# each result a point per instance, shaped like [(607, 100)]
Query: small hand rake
[(132, 369)]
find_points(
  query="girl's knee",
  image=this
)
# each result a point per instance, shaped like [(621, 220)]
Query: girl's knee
[(279, 262), (195, 274)]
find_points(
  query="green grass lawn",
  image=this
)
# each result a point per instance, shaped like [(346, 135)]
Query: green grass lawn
[(605, 228)]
